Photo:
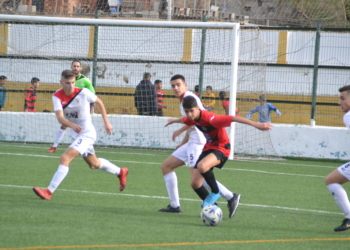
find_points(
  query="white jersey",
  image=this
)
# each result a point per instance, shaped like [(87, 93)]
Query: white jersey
[(76, 109), (346, 119), (195, 136)]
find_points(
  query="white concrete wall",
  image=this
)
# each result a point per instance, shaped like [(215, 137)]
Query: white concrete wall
[(149, 132)]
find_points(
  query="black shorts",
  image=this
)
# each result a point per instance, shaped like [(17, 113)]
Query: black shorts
[(219, 155)]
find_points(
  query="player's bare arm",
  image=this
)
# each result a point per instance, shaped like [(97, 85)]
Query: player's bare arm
[(101, 107), (66, 123), (261, 126), (173, 120), (179, 132)]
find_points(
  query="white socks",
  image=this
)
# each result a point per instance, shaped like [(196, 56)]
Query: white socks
[(171, 186), (224, 192), (340, 197), (109, 167), (59, 137), (58, 177)]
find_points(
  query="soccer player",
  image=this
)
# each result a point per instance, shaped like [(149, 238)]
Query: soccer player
[(160, 97), (264, 110), (76, 105), (81, 81), (30, 97), (341, 175), (188, 152), (217, 148)]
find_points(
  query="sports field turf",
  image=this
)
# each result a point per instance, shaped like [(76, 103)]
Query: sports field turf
[(284, 205)]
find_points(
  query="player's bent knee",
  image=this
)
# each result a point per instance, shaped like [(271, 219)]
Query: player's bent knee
[(195, 185), (93, 166)]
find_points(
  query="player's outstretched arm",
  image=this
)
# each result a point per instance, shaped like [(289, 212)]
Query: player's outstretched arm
[(261, 126), (101, 107), (179, 132), (173, 120), (60, 118)]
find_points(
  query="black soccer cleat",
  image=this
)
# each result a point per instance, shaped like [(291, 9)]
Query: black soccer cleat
[(170, 209), (232, 204), (344, 226)]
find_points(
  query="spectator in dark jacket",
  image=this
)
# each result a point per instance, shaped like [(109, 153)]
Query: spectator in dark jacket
[(145, 97)]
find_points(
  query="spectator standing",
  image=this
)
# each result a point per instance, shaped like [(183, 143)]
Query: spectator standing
[(208, 102), (225, 102), (30, 97), (196, 90), (160, 97), (145, 97), (3, 81), (264, 110)]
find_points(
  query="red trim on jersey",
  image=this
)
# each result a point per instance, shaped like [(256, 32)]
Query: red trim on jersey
[(66, 99), (182, 97), (226, 105), (160, 98), (213, 128)]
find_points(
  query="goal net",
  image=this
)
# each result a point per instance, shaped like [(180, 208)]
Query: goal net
[(114, 55)]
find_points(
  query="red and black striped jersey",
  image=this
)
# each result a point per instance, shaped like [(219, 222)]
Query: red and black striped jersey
[(30, 99), (160, 98), (213, 128)]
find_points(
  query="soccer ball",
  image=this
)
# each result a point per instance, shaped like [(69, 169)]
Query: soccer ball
[(211, 215)]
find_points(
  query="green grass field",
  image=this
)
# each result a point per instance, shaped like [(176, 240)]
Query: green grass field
[(284, 205)]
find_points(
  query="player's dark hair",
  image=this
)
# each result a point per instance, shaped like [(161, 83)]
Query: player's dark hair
[(262, 98), (196, 88), (209, 87), (3, 77), (67, 74), (175, 77), (34, 80), (189, 102), (157, 82), (222, 95), (344, 88), (74, 61), (146, 76)]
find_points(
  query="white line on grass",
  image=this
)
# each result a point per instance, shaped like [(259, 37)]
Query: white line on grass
[(117, 151), (183, 199), (158, 163)]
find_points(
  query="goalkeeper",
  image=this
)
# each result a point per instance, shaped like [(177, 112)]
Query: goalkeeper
[(81, 81)]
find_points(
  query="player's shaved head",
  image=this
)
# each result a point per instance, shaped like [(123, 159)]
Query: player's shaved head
[(175, 77), (345, 88), (66, 74), (76, 61)]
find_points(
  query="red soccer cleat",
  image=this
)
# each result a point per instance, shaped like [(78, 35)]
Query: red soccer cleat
[(52, 150), (44, 194), (122, 178)]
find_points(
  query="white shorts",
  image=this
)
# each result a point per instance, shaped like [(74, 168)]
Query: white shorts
[(84, 145), (189, 153), (345, 170)]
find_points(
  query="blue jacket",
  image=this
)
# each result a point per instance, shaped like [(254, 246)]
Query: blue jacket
[(264, 112)]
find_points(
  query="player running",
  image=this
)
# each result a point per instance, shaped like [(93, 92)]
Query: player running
[(81, 81), (76, 105), (217, 148), (341, 175), (188, 152)]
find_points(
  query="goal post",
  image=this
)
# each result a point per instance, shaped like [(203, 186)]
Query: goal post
[(235, 62)]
